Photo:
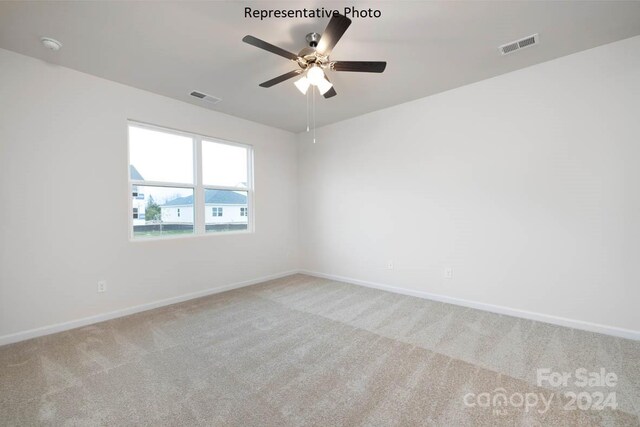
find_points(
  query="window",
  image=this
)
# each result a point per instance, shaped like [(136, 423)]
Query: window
[(182, 183)]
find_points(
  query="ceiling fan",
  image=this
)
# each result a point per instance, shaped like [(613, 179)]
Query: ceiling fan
[(314, 59)]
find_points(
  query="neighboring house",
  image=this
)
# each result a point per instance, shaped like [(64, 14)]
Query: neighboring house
[(221, 207), (138, 202)]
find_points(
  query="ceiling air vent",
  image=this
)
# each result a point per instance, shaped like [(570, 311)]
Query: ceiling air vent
[(206, 98), (518, 44)]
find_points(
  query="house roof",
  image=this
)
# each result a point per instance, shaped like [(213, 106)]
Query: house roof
[(134, 173), (214, 197)]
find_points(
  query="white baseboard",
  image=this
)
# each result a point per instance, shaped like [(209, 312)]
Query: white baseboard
[(546, 318), (72, 324)]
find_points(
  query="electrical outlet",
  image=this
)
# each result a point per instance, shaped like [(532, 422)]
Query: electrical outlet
[(390, 265), (102, 286), (448, 273)]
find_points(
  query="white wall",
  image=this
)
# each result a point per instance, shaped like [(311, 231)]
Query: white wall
[(527, 184), (231, 214), (64, 134), (170, 214)]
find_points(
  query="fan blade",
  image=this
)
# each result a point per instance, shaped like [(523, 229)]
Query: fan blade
[(335, 29), (269, 47), (331, 92), (281, 78), (359, 66)]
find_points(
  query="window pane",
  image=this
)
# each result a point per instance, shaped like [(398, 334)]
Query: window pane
[(160, 156), (225, 210), (224, 164), (161, 211)]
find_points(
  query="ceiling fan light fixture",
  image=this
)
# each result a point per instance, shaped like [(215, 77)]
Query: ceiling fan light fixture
[(324, 85), (315, 75), (302, 84), (313, 60)]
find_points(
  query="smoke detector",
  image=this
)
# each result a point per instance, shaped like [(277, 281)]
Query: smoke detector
[(525, 42), (206, 98), (51, 44)]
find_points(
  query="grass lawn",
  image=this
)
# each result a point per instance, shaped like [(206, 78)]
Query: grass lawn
[(170, 230), (158, 233)]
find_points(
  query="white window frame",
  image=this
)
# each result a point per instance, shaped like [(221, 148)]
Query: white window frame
[(199, 208)]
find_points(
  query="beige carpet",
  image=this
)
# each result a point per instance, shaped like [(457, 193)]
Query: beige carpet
[(309, 351)]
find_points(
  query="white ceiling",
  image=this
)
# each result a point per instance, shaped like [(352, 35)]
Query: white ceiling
[(172, 48)]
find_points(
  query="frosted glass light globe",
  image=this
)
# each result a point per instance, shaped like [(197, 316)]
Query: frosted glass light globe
[(315, 75), (323, 86), (302, 85)]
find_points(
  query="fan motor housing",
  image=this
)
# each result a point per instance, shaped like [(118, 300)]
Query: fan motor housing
[(313, 39), (309, 54)]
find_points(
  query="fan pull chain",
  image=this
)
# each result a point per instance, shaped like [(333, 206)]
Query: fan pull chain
[(314, 115), (307, 111)]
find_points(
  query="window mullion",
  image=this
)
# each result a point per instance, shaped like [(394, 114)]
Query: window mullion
[(199, 207)]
